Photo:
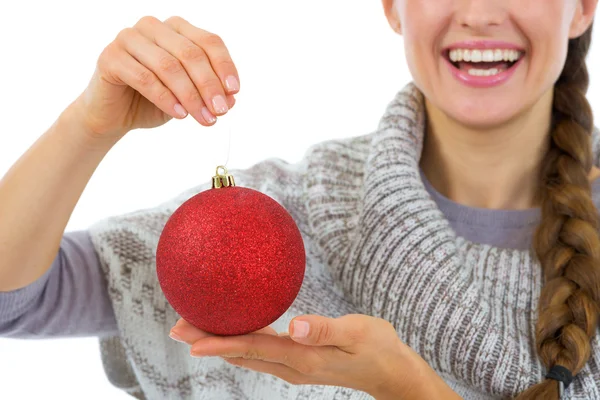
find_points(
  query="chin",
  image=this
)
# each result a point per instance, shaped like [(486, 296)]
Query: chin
[(482, 115)]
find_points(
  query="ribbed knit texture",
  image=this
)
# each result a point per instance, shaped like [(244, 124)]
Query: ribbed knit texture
[(376, 244)]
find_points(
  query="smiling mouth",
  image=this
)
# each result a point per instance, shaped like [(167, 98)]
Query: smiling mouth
[(484, 62)]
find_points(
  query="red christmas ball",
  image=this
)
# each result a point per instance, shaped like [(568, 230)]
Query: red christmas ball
[(230, 260)]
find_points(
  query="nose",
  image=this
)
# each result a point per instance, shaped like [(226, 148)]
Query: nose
[(480, 15)]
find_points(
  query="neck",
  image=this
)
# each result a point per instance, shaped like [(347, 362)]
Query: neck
[(496, 168)]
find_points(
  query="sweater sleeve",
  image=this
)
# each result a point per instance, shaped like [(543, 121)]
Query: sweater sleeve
[(69, 300)]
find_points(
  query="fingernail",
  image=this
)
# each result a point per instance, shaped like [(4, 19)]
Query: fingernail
[(220, 104), (180, 110), (232, 83), (208, 116), (175, 336), (300, 329)]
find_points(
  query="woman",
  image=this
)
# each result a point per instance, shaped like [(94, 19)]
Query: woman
[(426, 276)]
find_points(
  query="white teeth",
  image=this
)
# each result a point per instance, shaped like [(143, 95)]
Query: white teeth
[(484, 72), (487, 55)]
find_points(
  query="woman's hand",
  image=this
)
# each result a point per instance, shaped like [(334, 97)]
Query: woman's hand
[(155, 71), (354, 351)]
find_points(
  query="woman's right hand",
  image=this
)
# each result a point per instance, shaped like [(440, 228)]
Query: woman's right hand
[(155, 71)]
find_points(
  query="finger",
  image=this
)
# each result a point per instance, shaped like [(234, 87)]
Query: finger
[(215, 49), (317, 330), (267, 330), (230, 101), (269, 348), (185, 332), (168, 69), (279, 370), (192, 59), (125, 69), (204, 68)]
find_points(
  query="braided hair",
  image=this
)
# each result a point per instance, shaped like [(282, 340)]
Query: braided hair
[(567, 241)]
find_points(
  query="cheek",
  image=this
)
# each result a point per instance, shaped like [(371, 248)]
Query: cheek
[(547, 54), (422, 45), (424, 26), (413, 52), (546, 25)]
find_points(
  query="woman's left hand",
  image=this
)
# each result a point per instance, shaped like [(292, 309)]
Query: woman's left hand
[(354, 351)]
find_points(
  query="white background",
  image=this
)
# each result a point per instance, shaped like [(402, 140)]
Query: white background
[(310, 71)]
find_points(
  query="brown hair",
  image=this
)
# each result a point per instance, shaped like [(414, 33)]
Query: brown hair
[(567, 242)]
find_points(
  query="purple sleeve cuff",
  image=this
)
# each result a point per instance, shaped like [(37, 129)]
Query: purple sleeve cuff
[(16, 303), (69, 300)]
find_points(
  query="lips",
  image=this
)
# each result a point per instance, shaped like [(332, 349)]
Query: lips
[(475, 75), (493, 59), (483, 63)]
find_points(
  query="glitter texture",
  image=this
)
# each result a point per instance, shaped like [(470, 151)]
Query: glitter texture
[(231, 260)]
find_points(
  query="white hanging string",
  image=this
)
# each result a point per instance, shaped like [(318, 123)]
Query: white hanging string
[(228, 143), (223, 122), (226, 119)]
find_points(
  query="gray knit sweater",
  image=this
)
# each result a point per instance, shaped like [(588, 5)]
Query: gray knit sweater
[(376, 243)]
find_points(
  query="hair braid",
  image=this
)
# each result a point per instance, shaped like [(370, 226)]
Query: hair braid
[(567, 242)]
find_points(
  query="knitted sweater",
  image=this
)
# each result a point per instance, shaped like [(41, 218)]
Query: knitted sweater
[(376, 243)]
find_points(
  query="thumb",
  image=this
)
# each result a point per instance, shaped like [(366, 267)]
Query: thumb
[(317, 330)]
